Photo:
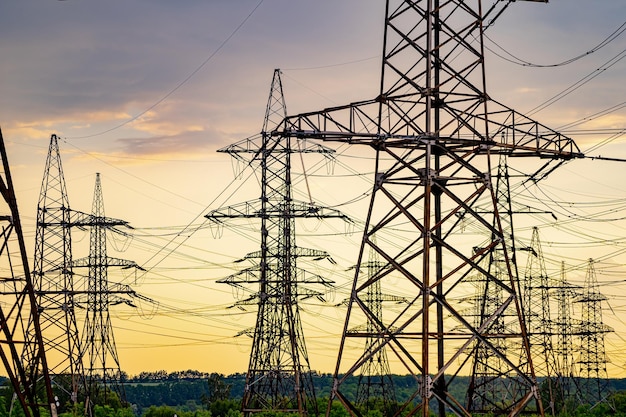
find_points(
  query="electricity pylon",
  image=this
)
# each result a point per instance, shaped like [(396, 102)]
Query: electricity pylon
[(278, 377), (22, 348), (487, 389), (536, 290), (375, 380), (564, 294), (591, 361), (433, 128), (99, 350), (54, 284)]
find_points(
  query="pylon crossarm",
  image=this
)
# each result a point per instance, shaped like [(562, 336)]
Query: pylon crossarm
[(80, 219), (110, 261), (245, 276), (254, 209), (518, 135), (254, 145), (509, 132), (247, 332), (251, 145), (298, 252), (248, 209)]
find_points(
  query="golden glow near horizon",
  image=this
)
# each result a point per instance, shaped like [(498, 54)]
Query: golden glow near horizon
[(100, 76)]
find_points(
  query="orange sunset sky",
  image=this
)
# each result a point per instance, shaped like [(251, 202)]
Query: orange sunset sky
[(145, 91)]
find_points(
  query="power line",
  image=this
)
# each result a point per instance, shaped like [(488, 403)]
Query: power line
[(181, 83), (585, 119), (587, 78), (522, 62)]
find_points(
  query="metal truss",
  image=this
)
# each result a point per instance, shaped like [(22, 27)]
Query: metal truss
[(22, 347), (487, 389), (375, 382), (279, 375), (536, 290), (590, 364), (434, 130), (564, 294), (54, 284), (99, 350)]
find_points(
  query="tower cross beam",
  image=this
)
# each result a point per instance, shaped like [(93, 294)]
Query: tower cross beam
[(510, 132)]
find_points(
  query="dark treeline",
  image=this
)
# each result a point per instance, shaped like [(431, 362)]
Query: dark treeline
[(191, 391), (187, 387), (404, 384), (199, 394), (162, 376)]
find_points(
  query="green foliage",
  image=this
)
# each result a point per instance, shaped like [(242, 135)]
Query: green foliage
[(167, 411), (222, 407), (108, 411), (619, 402), (106, 397), (185, 395), (374, 413), (4, 410), (218, 390), (338, 410), (197, 394), (161, 411), (78, 410), (217, 399), (275, 414)]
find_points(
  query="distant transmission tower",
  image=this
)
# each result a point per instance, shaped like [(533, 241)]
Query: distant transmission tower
[(375, 381), (54, 284), (564, 295), (487, 390), (536, 301), (103, 371), (433, 128), (22, 347), (592, 360), (279, 377)]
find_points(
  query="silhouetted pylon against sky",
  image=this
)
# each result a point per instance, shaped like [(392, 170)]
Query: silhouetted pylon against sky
[(54, 281), (278, 377), (590, 362), (99, 351), (22, 347), (433, 129)]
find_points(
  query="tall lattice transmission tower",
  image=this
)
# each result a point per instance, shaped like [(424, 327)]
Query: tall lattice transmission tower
[(54, 281), (278, 376), (433, 129), (99, 350), (22, 347), (536, 289), (591, 361)]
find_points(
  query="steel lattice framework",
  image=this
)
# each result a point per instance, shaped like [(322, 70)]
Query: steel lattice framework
[(278, 377), (375, 380), (22, 348), (433, 128), (53, 280), (536, 290), (99, 350), (591, 361), (564, 294), (487, 389)]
